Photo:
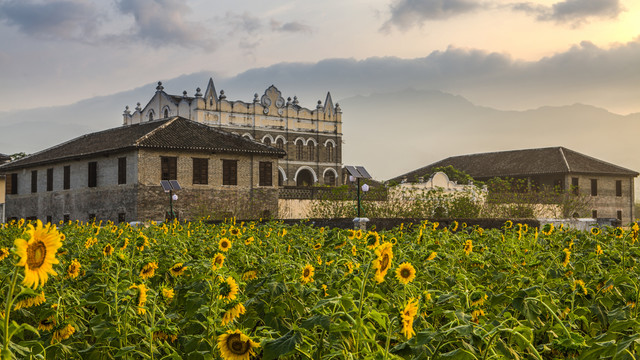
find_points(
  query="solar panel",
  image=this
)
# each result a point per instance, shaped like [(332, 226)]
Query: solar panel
[(352, 171), (175, 185), (364, 173), (165, 185)]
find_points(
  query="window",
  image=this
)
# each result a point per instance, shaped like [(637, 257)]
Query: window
[(66, 218), (299, 150), (122, 217), (92, 217), (49, 219), (50, 179), (267, 141), (122, 170), (169, 168), (266, 173), (280, 143), (34, 181), (618, 187), (575, 186), (312, 151), (330, 178), (166, 113), (594, 214), (150, 115), (200, 171), (594, 187), (619, 215), (93, 174), (329, 152), (12, 184), (229, 172), (66, 178)]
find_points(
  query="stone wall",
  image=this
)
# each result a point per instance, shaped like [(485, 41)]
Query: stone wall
[(606, 203)]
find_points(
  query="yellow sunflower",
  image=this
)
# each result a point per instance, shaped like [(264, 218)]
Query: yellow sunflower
[(478, 298), (233, 313), (408, 315), (405, 273), (228, 288), (4, 252), (168, 294), (178, 269), (317, 246), (142, 297), (599, 250), (217, 261), (307, 274), (148, 270), (107, 250), (351, 234), (224, 244), (372, 239), (359, 234), (47, 324), (618, 232), (249, 240), (38, 254), (250, 275), (29, 301), (383, 262), (547, 229), (234, 231), (565, 257), (454, 226), (468, 247), (235, 345), (432, 256), (142, 241), (508, 224), (63, 333)]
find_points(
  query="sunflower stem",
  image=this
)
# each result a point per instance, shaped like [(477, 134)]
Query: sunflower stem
[(7, 338), (364, 284)]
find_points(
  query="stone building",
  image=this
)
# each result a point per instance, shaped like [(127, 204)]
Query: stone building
[(115, 175), (610, 188), (312, 138)]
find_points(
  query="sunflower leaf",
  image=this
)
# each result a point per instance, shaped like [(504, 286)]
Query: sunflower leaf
[(283, 345)]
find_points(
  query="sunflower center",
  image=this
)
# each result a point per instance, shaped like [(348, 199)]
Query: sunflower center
[(225, 289), (306, 272), (236, 345), (36, 253), (405, 273), (384, 264)]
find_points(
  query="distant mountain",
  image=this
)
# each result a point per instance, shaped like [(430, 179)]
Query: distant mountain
[(389, 133)]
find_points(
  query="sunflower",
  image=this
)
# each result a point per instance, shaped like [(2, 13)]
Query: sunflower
[(317, 246), (63, 333), (234, 231), (149, 270), (383, 262), (38, 254), (477, 298), (454, 226), (90, 242), (618, 232), (250, 275), (74, 269), (599, 250), (354, 250), (547, 229), (405, 273), (224, 244), (359, 234), (217, 261), (508, 224), (579, 284), (233, 313), (468, 247), (178, 269), (29, 301), (228, 288), (142, 297), (108, 250), (324, 289), (351, 234), (565, 257), (4, 252), (125, 244), (475, 315), (235, 345), (372, 239), (47, 324), (432, 256), (307, 274), (408, 315), (339, 246), (168, 294), (249, 240)]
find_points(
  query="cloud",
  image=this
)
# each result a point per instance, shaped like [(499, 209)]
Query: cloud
[(58, 19), (409, 13), (293, 27), (162, 23), (574, 12)]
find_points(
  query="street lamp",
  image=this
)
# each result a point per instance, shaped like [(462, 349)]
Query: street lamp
[(169, 186), (356, 173)]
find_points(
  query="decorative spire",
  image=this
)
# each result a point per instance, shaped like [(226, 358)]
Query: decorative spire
[(126, 110), (319, 105), (289, 101), (295, 100), (138, 108), (222, 95), (255, 98), (159, 87), (211, 94), (184, 94), (198, 93), (328, 105)]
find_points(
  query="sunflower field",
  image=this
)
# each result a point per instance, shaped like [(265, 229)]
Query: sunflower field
[(265, 290)]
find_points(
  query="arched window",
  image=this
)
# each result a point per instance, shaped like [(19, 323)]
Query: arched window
[(330, 178), (312, 151), (330, 152), (299, 150), (150, 115), (267, 141), (280, 143), (166, 113)]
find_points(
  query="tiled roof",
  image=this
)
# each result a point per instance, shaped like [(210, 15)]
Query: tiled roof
[(176, 133), (4, 158), (528, 162)]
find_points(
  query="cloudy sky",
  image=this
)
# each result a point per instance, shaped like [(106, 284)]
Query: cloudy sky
[(57, 52)]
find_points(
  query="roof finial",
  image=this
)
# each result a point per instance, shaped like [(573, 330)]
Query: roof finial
[(255, 98), (222, 95), (159, 87), (184, 94), (198, 93), (138, 108)]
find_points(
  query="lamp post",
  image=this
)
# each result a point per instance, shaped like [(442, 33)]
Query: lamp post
[(169, 186), (355, 174)]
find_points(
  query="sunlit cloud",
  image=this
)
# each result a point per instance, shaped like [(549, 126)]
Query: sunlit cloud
[(406, 14), (574, 12)]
